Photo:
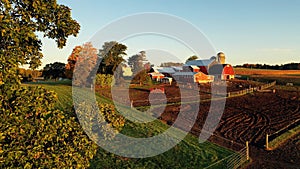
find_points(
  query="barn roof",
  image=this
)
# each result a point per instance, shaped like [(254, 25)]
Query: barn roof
[(166, 70), (217, 68), (177, 68), (205, 62), (185, 73), (194, 67), (156, 74)]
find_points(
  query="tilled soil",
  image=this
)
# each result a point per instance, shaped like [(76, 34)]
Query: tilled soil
[(250, 118), (245, 118)]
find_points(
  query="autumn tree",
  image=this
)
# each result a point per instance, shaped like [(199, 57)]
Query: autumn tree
[(27, 75), (34, 134), (194, 57), (72, 61), (85, 65), (111, 56)]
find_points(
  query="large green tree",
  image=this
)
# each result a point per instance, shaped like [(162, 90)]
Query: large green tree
[(54, 70), (112, 54), (19, 23), (33, 134)]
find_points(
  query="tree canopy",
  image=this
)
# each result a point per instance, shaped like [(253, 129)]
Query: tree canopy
[(54, 70), (72, 61), (112, 54), (86, 63), (194, 57), (34, 134), (137, 62), (19, 23)]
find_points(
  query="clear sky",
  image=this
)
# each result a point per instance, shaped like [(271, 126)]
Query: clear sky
[(257, 31)]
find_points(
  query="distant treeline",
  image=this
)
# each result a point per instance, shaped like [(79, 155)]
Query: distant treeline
[(28, 75), (289, 66), (170, 64)]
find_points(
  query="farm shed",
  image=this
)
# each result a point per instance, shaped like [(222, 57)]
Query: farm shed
[(156, 76), (203, 65), (222, 71), (167, 80), (193, 77)]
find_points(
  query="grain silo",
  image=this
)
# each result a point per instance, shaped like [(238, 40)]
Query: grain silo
[(221, 58)]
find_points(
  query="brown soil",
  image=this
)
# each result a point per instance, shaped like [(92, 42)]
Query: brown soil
[(250, 118), (245, 118)]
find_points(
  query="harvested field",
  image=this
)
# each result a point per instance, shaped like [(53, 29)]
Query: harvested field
[(245, 71)]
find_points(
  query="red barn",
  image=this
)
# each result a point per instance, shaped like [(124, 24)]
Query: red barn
[(222, 71)]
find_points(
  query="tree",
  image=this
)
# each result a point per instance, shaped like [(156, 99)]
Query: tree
[(28, 74), (112, 56), (141, 78), (137, 62), (34, 134), (19, 21), (194, 57), (54, 70), (169, 64), (86, 64), (72, 61)]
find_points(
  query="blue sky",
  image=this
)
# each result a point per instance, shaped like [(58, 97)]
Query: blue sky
[(247, 31)]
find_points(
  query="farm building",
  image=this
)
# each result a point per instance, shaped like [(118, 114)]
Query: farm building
[(167, 71), (156, 76), (215, 66), (167, 80), (193, 77), (222, 71), (197, 71), (202, 65)]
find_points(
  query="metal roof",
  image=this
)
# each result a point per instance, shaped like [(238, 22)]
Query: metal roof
[(166, 70), (156, 74), (205, 62), (185, 73), (194, 67)]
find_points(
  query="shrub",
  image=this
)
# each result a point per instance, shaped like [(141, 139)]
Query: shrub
[(103, 80), (104, 124), (35, 135)]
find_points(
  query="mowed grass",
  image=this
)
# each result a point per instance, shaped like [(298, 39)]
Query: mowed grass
[(189, 153), (280, 140)]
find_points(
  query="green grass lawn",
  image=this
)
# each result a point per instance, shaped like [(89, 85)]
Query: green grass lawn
[(187, 154)]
